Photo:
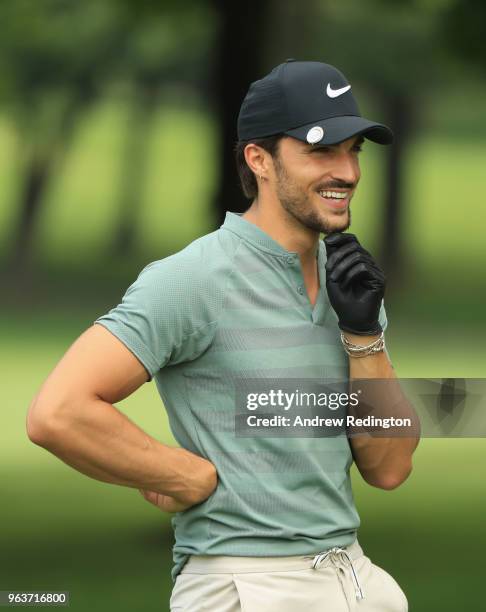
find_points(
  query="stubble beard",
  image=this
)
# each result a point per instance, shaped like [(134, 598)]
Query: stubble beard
[(296, 202)]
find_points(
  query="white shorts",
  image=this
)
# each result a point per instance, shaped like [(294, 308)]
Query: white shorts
[(336, 580)]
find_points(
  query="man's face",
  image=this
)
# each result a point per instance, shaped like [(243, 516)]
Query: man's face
[(315, 184)]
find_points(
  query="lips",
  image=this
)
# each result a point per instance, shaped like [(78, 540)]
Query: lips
[(335, 199)]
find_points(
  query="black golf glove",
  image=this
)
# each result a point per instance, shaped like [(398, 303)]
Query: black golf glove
[(355, 284)]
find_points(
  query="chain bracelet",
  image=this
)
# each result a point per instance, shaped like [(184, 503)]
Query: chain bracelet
[(357, 350)]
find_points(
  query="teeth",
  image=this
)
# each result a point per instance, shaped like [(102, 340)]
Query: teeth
[(333, 194)]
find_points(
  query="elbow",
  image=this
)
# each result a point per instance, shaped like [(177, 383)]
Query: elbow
[(387, 484), (390, 481), (40, 424), (33, 423)]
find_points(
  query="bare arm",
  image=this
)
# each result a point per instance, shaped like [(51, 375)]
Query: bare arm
[(356, 285), (73, 417), (383, 462)]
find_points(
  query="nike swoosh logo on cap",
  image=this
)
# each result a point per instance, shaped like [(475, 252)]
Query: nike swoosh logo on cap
[(334, 93)]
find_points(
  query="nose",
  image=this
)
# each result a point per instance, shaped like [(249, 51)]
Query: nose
[(346, 167)]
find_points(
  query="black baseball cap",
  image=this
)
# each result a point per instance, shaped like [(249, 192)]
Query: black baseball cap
[(310, 101)]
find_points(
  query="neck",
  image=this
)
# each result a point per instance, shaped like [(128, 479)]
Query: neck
[(286, 230)]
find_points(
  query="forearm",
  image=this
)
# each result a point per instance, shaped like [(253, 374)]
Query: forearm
[(98, 440), (382, 461)]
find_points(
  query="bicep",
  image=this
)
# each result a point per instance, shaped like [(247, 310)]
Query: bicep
[(96, 365)]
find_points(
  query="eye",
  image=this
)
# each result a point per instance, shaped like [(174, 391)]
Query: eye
[(358, 148)]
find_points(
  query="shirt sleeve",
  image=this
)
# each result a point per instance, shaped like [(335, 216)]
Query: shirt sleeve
[(163, 317), (384, 324), (382, 318)]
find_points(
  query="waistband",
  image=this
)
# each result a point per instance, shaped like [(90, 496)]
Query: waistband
[(223, 564)]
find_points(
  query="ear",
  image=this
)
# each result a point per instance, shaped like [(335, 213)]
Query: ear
[(257, 159)]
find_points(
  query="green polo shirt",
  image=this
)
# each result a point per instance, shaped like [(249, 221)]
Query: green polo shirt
[(232, 306)]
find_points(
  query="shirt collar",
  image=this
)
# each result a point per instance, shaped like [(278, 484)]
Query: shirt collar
[(234, 222)]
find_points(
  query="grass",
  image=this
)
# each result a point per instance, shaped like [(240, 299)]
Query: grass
[(62, 530)]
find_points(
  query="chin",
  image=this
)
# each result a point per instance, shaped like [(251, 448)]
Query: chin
[(336, 224)]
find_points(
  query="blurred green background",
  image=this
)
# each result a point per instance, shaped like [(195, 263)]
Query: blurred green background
[(117, 120)]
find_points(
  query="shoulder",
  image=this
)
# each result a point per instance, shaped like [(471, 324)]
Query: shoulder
[(193, 280), (205, 259)]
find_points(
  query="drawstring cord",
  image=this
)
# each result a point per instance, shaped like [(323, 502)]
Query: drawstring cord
[(340, 553)]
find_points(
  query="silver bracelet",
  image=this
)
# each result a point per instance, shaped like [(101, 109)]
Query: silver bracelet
[(357, 350)]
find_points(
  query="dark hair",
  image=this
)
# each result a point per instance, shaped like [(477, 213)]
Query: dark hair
[(248, 180)]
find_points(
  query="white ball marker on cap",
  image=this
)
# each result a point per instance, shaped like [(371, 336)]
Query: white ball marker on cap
[(315, 134)]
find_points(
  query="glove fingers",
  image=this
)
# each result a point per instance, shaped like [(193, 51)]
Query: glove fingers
[(362, 272), (338, 239), (379, 272), (367, 257), (347, 262), (337, 255)]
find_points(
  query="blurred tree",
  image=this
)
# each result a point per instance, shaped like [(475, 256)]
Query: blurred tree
[(52, 57), (167, 44), (142, 105), (252, 38), (58, 56), (391, 49), (238, 60), (464, 30)]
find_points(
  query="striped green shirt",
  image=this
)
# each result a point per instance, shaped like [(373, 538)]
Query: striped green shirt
[(232, 306)]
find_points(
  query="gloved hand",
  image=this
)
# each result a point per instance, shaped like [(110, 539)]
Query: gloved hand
[(355, 284)]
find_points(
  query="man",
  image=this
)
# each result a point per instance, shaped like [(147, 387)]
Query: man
[(262, 523)]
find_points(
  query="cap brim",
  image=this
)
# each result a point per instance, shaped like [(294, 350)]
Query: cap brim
[(337, 129)]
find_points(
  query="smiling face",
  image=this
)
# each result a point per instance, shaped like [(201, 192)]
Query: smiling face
[(315, 184)]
